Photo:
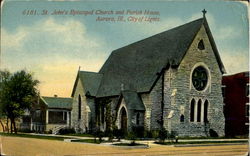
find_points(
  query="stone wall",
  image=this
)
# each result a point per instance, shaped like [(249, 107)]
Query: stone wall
[(179, 92), (87, 120), (152, 102)]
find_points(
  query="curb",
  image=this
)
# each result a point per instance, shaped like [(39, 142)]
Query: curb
[(218, 144)]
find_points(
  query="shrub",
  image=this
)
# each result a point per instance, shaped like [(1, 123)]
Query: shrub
[(173, 136), (138, 131), (132, 136), (26, 130), (155, 134), (48, 132), (163, 135), (118, 133), (109, 134), (148, 134), (66, 131), (213, 133), (100, 135)]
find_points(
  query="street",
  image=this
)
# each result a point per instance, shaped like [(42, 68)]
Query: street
[(41, 147)]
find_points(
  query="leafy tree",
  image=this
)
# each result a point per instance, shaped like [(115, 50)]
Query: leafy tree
[(4, 77), (18, 93)]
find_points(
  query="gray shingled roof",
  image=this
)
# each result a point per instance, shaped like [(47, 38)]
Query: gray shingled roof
[(136, 65), (90, 81), (133, 101), (57, 102)]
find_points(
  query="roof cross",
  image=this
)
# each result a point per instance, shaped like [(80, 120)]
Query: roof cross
[(204, 12)]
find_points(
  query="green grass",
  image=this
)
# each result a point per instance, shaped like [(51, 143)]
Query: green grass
[(223, 137), (200, 142), (81, 135), (128, 144), (34, 136), (89, 141)]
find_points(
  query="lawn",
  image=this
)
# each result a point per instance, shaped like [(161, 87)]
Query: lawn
[(35, 136), (200, 142), (129, 144), (80, 135), (89, 141)]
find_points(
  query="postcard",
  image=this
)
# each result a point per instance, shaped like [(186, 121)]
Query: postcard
[(132, 74)]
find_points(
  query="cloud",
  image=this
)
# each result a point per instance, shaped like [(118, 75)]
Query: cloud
[(235, 61), (233, 56), (59, 76), (53, 50), (10, 40)]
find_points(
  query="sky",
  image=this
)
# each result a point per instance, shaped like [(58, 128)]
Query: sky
[(53, 46)]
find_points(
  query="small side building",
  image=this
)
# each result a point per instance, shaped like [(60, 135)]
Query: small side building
[(236, 99), (57, 112), (50, 114)]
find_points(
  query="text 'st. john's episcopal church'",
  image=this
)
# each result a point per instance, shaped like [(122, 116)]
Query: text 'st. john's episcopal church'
[(171, 80)]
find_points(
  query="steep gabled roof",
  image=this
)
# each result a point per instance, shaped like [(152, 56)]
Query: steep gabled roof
[(132, 100), (90, 81), (57, 102), (136, 66)]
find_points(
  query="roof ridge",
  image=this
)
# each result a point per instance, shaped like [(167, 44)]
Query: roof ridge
[(136, 63), (158, 34)]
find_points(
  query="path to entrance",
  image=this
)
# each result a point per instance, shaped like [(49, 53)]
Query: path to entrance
[(39, 147)]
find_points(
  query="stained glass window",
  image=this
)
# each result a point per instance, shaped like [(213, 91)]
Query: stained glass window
[(199, 78)]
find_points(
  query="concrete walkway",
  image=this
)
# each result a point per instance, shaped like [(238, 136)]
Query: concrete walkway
[(147, 143)]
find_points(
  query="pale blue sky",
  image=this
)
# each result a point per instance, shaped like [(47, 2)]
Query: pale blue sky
[(53, 46)]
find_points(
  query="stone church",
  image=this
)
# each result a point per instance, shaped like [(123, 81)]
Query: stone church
[(170, 80)]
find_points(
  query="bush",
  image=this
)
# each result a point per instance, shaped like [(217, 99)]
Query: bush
[(110, 135), (26, 130), (151, 134), (132, 136), (148, 134), (138, 131), (48, 132), (100, 135), (163, 135), (213, 133), (118, 133), (173, 136), (155, 134), (66, 131)]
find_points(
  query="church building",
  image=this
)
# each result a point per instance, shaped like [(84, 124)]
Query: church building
[(171, 80)]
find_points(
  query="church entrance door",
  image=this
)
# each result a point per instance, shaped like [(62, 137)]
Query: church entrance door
[(123, 119)]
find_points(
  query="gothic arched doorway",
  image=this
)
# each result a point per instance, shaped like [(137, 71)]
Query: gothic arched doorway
[(123, 119)]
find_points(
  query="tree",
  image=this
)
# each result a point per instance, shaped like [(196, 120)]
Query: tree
[(18, 93), (4, 77)]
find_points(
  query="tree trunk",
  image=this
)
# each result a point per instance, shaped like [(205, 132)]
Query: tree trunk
[(11, 129), (14, 124), (2, 125), (7, 124)]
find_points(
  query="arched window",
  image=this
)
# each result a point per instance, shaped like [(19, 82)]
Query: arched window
[(192, 110), (201, 45), (205, 111), (79, 107), (182, 118), (199, 78), (199, 111), (137, 118)]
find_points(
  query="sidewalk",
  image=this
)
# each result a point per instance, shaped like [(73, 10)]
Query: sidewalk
[(150, 143)]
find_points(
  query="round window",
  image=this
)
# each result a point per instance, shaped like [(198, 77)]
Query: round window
[(199, 78)]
